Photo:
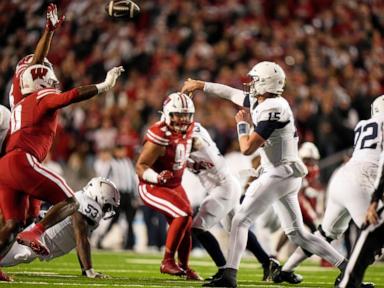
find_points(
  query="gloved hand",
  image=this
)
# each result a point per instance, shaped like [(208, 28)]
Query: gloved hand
[(164, 176), (53, 21), (110, 79)]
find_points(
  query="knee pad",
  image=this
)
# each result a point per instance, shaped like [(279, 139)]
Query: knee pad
[(297, 237), (241, 220)]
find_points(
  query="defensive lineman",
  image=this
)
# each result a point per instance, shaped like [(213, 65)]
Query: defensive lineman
[(351, 186), (222, 201), (97, 200), (283, 170)]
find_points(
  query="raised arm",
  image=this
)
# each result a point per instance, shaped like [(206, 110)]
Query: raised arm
[(80, 228), (237, 96), (44, 44), (49, 102)]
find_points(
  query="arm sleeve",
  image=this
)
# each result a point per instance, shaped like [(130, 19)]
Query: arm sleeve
[(237, 96), (378, 193), (48, 99)]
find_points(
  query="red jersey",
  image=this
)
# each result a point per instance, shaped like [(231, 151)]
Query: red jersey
[(34, 121), (178, 147), (15, 93)]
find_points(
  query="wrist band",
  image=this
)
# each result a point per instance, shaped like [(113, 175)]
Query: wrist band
[(150, 175), (101, 87), (243, 128)]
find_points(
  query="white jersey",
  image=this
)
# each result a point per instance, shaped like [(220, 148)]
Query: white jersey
[(369, 140), (60, 238), (5, 116), (214, 176), (282, 145)]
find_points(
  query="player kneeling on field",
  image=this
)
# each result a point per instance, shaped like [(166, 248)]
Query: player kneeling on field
[(98, 200)]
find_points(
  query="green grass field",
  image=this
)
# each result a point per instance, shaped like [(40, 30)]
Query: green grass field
[(142, 270)]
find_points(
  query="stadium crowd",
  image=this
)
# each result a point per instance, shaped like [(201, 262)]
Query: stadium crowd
[(332, 52)]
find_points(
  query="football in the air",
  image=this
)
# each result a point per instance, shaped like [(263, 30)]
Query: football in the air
[(122, 8)]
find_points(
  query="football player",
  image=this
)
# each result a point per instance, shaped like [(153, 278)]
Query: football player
[(370, 242), (160, 168), (33, 125), (40, 54), (351, 186), (97, 200), (275, 134), (220, 205)]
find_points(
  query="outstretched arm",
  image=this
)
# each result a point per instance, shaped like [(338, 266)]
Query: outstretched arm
[(83, 247), (237, 96), (53, 22), (56, 101)]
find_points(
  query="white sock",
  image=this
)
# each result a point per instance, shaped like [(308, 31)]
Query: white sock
[(294, 260)]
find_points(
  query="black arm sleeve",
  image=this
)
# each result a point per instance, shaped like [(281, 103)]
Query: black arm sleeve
[(246, 102), (266, 128), (378, 194)]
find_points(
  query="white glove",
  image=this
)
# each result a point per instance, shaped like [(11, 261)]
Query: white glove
[(110, 80), (90, 273)]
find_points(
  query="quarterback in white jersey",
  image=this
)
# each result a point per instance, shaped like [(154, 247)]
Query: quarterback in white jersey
[(351, 186), (97, 200), (275, 134), (5, 117)]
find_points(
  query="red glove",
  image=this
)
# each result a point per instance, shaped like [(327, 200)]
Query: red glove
[(197, 166), (164, 176), (53, 21)]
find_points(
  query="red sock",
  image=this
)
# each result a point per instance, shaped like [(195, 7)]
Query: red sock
[(38, 228), (174, 236), (185, 247)]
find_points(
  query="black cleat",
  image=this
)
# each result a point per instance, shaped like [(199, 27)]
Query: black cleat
[(362, 285), (218, 274), (279, 276), (228, 279), (269, 268)]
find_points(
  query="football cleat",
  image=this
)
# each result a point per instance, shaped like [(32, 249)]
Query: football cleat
[(218, 274), (192, 275), (362, 285), (32, 240), (4, 277), (168, 266), (228, 279), (279, 276), (269, 269)]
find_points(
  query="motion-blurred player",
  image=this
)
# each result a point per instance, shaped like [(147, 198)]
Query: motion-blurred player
[(97, 200), (160, 168)]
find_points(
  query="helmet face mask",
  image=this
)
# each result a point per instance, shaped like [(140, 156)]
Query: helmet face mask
[(267, 77), (37, 77), (178, 111), (105, 193)]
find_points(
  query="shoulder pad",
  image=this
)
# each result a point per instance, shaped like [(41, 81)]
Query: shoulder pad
[(158, 134), (45, 92), (89, 208)]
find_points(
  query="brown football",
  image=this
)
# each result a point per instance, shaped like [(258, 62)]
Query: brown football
[(122, 9)]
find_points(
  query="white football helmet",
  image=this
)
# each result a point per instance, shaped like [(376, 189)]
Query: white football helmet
[(37, 77), (377, 106), (105, 193), (28, 59), (266, 77), (178, 111), (309, 150)]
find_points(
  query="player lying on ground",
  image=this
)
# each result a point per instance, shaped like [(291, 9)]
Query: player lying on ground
[(97, 200), (351, 186), (275, 134), (221, 203), (160, 168), (33, 126)]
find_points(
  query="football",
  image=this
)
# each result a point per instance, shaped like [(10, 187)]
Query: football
[(122, 9)]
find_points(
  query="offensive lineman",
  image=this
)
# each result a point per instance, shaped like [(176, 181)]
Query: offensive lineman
[(160, 168), (282, 168), (220, 205), (97, 200), (33, 126), (351, 186)]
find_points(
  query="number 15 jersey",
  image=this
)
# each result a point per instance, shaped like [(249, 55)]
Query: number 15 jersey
[(369, 140), (177, 149)]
